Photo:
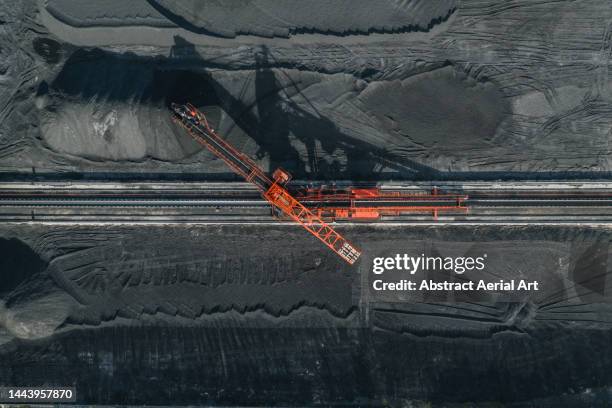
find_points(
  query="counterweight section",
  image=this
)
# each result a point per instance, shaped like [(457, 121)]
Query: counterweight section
[(282, 200)]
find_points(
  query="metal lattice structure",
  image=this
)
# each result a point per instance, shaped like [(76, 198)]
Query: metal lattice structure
[(272, 190)]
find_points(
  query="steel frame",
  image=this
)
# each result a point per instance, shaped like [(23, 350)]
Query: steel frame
[(272, 191)]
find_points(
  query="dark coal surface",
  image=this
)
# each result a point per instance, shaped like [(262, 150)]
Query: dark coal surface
[(295, 367), (482, 92), (200, 315), (443, 110), (109, 85), (18, 264)]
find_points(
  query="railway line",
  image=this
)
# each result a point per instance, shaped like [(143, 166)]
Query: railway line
[(143, 201), (499, 203)]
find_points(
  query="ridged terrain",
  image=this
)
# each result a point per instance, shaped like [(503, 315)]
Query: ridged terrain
[(199, 309)]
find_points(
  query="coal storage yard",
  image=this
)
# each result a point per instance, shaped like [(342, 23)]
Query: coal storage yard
[(306, 203)]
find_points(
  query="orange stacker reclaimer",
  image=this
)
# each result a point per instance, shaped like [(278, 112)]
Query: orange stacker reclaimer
[(314, 207)]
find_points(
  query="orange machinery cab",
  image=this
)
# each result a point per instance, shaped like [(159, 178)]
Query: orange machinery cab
[(281, 176)]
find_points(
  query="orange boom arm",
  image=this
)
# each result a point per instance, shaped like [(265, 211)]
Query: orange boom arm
[(272, 190)]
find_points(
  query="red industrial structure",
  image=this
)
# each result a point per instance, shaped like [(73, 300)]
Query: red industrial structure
[(374, 203), (272, 190), (313, 207)]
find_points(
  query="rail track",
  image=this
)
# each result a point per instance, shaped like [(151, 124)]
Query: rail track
[(588, 202)]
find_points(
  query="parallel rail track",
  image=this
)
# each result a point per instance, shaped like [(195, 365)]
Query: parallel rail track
[(229, 204), (207, 202)]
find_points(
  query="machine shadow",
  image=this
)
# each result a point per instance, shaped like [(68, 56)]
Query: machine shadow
[(279, 120), (310, 146)]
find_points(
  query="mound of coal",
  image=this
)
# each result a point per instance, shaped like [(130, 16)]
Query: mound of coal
[(105, 108), (269, 18), (443, 110)]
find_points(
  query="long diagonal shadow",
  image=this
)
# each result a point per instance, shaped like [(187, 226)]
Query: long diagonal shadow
[(274, 122), (278, 119)]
